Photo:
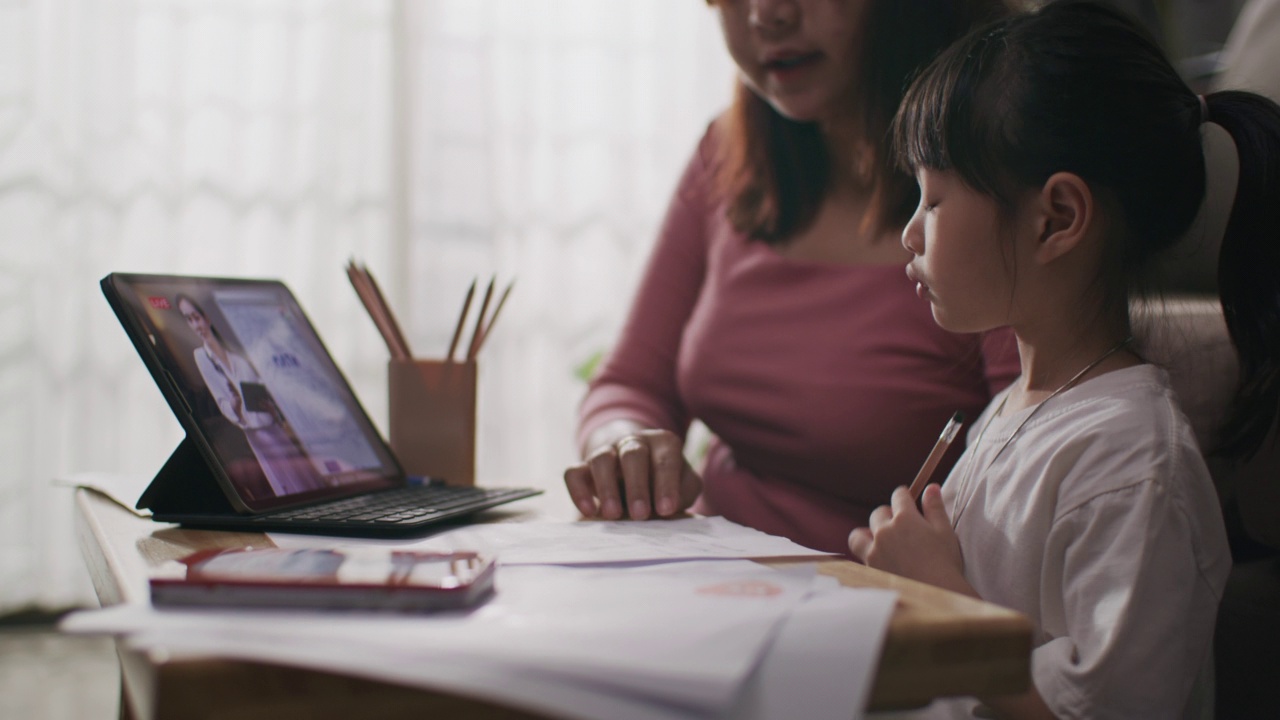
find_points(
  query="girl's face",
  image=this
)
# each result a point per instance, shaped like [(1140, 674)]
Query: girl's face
[(198, 323), (801, 56), (961, 263)]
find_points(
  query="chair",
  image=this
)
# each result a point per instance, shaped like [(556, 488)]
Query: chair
[(1185, 332)]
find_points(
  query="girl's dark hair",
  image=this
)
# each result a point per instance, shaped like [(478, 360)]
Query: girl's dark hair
[(774, 172), (1079, 87)]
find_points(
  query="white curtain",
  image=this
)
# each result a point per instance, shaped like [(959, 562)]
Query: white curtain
[(436, 140), (546, 138)]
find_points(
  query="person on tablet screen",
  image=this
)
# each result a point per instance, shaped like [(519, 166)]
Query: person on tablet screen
[(246, 402)]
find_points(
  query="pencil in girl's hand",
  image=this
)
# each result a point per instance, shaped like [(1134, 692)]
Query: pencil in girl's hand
[(949, 432), (462, 320)]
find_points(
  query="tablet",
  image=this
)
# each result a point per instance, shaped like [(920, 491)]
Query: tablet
[(259, 396)]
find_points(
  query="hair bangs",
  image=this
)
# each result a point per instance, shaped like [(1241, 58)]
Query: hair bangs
[(950, 116)]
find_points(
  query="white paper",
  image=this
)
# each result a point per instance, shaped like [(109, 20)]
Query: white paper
[(592, 542), (819, 665), (123, 489), (688, 633)]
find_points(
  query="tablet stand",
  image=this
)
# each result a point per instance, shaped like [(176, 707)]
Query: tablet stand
[(185, 485)]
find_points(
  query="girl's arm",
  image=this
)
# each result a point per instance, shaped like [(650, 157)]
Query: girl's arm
[(921, 545), (905, 541)]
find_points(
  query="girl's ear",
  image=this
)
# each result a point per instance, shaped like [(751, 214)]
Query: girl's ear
[(1065, 209)]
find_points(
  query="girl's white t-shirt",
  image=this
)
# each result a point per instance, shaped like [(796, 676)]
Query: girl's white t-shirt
[(1100, 522)]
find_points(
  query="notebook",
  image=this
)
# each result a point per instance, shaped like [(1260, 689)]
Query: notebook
[(275, 438)]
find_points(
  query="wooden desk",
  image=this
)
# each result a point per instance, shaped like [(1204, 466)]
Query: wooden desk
[(938, 643)]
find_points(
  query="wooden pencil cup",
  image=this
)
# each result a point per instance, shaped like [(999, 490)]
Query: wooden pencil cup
[(432, 420)]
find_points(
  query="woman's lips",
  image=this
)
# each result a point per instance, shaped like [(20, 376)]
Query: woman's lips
[(790, 65)]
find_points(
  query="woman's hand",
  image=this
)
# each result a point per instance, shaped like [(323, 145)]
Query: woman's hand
[(645, 469), (906, 542)]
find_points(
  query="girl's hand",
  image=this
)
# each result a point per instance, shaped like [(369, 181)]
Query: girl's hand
[(903, 541)]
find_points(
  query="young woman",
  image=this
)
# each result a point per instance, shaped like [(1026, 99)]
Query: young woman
[(1058, 154), (774, 308)]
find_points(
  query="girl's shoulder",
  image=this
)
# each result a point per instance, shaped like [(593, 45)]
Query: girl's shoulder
[(1120, 430)]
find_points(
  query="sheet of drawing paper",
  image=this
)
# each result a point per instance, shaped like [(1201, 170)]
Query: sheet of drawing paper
[(687, 632), (594, 542), (819, 664)]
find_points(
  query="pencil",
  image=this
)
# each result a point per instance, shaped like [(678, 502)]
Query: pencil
[(365, 293), (462, 320), (396, 333), (475, 332), (502, 300), (949, 432)]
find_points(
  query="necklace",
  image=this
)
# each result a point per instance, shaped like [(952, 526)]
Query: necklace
[(968, 481)]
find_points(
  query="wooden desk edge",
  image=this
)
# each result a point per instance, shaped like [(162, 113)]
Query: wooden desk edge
[(985, 651)]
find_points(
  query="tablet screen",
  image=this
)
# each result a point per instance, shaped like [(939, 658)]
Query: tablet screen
[(256, 383)]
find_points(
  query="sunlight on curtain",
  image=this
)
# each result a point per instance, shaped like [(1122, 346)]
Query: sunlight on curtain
[(439, 140), (546, 139), (227, 137)]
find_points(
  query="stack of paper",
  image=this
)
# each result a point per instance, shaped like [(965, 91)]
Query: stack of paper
[(592, 543), (590, 619)]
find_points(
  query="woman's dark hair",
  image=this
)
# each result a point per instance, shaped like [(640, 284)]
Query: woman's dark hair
[(1079, 87), (774, 172)]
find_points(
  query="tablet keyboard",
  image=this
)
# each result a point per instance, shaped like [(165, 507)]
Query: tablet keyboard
[(399, 507)]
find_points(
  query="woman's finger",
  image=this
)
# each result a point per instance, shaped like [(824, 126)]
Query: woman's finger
[(604, 473), (635, 462), (582, 489)]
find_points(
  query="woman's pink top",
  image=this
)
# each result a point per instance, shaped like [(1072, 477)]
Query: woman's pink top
[(824, 385)]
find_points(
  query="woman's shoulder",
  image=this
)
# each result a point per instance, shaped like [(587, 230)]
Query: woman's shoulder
[(707, 153)]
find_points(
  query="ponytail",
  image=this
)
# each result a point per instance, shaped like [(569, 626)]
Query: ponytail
[(1249, 268)]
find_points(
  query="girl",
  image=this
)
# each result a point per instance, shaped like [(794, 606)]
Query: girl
[(1058, 153)]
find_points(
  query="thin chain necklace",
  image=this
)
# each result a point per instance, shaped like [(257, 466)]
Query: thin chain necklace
[(968, 481)]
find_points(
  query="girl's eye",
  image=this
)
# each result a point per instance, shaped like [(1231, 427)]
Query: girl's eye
[(929, 207)]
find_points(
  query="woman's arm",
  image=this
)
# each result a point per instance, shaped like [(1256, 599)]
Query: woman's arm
[(637, 381), (632, 420)]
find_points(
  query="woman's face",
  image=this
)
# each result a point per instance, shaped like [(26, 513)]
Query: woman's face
[(196, 320), (801, 56)]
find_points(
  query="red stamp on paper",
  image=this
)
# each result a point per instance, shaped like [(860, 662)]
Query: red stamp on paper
[(742, 588), (159, 302)]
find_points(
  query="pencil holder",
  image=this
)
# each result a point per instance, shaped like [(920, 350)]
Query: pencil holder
[(432, 419)]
